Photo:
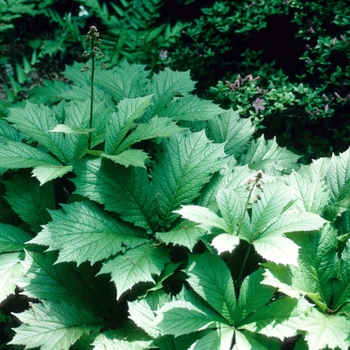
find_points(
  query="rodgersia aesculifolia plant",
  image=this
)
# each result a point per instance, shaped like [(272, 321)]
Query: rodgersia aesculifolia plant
[(127, 241)]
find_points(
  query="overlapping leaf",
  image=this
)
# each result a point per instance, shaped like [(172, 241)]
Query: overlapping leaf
[(267, 155), (84, 232), (230, 128), (12, 238), (11, 269), (310, 187), (46, 173), (16, 155), (211, 279), (126, 191), (36, 121), (165, 85), (136, 265), (316, 260), (54, 326), (184, 166), (46, 280), (8, 133), (190, 108), (121, 122), (30, 200)]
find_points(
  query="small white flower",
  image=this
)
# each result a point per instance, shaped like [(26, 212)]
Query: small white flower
[(83, 12), (163, 55)]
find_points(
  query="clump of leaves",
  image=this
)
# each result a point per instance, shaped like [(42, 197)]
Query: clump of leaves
[(160, 223)]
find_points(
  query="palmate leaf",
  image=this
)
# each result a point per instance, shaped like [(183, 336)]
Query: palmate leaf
[(45, 280), (126, 191), (211, 279), (16, 155), (184, 166), (316, 272), (50, 92), (114, 340), (252, 296), (190, 108), (280, 318), (248, 340), (219, 339), (268, 156), (46, 173), (185, 234), (124, 80), (271, 219), (84, 232), (54, 326), (11, 269), (136, 265), (183, 317), (121, 122), (205, 218), (225, 243), (156, 127), (310, 187), (165, 85), (338, 181), (30, 200), (134, 157), (230, 128), (341, 297), (36, 121), (326, 331), (9, 133), (12, 238)]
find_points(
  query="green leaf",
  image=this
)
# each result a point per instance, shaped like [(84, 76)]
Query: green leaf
[(190, 108), (142, 311), (280, 318), (248, 340), (19, 155), (211, 279), (134, 157), (267, 155), (338, 181), (310, 187), (130, 194), (8, 133), (186, 235), (316, 272), (156, 127), (182, 317), (341, 295), (125, 80), (218, 339), (225, 243), (165, 85), (114, 341), (205, 218), (54, 326), (30, 200), (45, 280), (230, 128), (74, 74), (46, 173), (326, 331), (36, 121), (84, 232), (12, 238), (71, 129), (136, 265), (252, 296), (50, 92), (121, 122), (184, 166), (11, 269), (231, 208)]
